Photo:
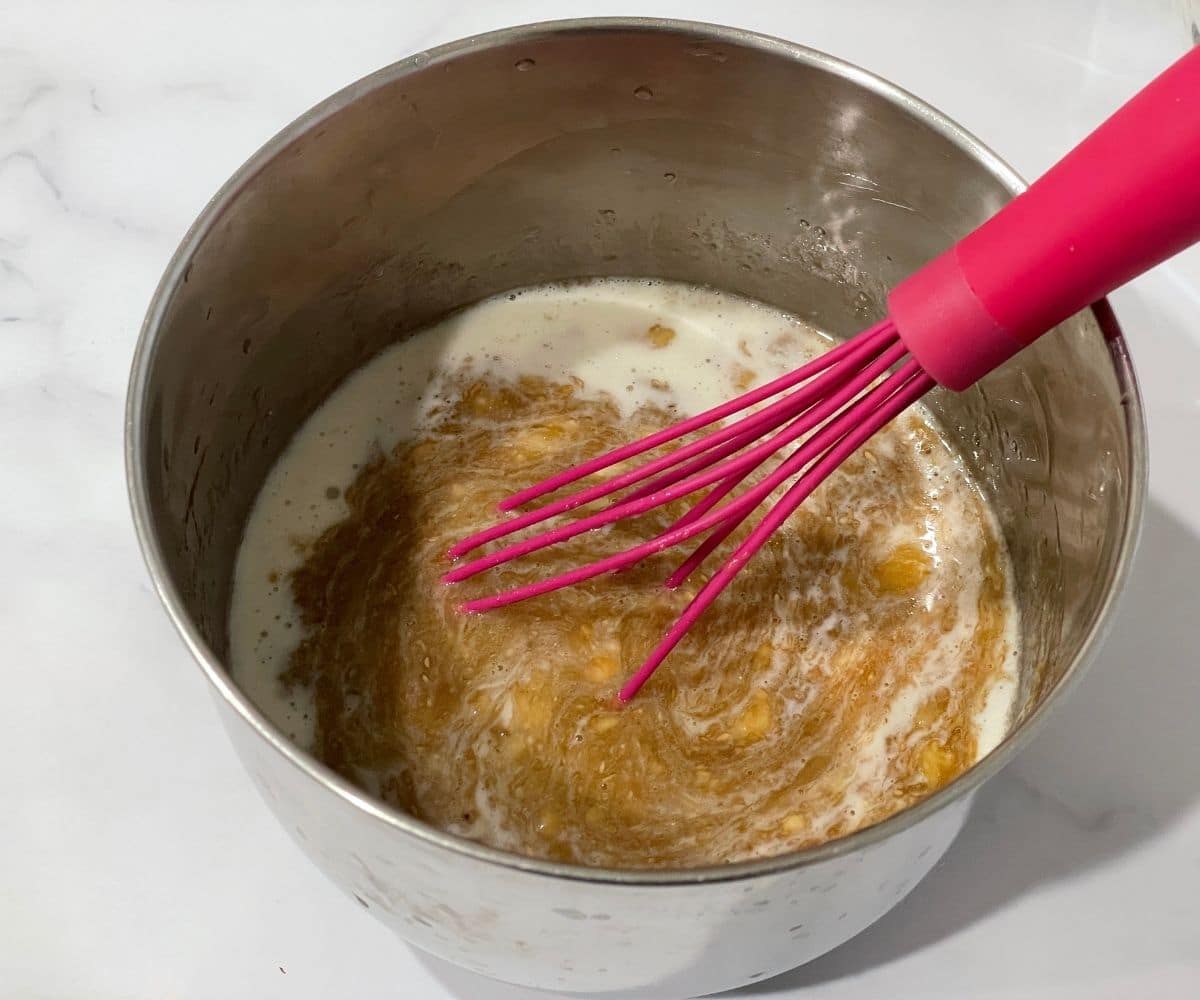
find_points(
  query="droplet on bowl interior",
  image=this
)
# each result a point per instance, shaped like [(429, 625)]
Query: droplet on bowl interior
[(524, 65), (644, 93)]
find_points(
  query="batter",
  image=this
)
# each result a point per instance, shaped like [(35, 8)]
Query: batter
[(864, 658)]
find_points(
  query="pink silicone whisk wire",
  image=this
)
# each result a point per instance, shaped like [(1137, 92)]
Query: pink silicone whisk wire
[(743, 464), (764, 420), (914, 384), (828, 434)]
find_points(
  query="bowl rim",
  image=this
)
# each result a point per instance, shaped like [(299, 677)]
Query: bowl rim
[(220, 678)]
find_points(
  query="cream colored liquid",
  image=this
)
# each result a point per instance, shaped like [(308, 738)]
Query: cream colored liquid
[(597, 333)]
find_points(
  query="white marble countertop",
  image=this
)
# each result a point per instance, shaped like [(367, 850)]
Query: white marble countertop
[(136, 860)]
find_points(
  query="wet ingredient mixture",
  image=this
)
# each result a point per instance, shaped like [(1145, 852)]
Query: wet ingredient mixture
[(864, 658)]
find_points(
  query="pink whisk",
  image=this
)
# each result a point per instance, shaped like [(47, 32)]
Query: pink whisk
[(1122, 201)]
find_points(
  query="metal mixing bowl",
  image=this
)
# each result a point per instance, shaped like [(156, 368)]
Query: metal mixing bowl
[(630, 147)]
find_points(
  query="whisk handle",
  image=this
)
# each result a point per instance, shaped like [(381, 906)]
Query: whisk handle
[(1122, 201)]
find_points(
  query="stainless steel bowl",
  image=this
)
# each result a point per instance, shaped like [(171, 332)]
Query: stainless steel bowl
[(632, 147)]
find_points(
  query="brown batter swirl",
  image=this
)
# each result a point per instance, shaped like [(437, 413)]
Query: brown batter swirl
[(785, 717)]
